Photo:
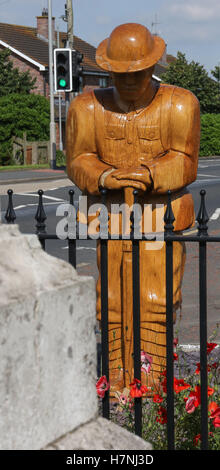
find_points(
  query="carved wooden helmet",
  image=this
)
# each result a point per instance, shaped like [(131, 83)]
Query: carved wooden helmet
[(130, 47)]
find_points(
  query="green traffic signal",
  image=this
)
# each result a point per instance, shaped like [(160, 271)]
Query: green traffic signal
[(62, 82)]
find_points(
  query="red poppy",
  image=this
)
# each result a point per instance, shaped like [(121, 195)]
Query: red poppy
[(210, 391), (212, 406), (198, 438), (180, 385), (215, 415), (214, 365), (175, 342), (157, 398), (175, 356), (137, 390), (102, 386), (162, 415), (197, 371), (210, 347), (195, 396)]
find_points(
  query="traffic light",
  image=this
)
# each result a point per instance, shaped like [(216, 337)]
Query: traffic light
[(77, 69), (63, 70)]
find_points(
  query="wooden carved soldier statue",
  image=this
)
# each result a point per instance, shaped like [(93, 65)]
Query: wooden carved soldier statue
[(144, 135)]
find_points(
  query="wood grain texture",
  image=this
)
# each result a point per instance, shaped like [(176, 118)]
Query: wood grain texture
[(149, 136)]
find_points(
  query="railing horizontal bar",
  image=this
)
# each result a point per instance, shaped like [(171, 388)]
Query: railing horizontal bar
[(173, 238), (46, 236), (197, 238)]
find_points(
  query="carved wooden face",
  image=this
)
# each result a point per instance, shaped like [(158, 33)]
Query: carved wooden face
[(131, 86)]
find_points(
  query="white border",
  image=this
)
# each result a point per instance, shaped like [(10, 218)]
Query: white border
[(55, 69), (41, 67)]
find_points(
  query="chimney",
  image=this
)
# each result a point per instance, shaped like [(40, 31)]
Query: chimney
[(42, 26)]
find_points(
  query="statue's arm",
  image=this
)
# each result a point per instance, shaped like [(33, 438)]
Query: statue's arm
[(178, 167), (84, 166)]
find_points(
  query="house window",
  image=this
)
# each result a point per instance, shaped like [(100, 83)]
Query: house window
[(103, 82)]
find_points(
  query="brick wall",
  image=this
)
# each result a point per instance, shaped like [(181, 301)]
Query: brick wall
[(25, 66)]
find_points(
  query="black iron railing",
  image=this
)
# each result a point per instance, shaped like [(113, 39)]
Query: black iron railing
[(202, 238)]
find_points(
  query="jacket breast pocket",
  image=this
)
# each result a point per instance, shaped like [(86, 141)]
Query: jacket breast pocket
[(114, 132), (149, 140), (149, 133)]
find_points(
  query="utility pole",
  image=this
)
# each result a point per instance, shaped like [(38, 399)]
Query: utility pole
[(68, 18), (69, 6), (69, 12), (52, 122)]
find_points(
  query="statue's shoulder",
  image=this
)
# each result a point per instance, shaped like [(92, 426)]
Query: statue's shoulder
[(82, 102), (87, 99), (179, 97)]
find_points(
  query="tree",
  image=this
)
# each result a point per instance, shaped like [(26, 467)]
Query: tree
[(21, 113), (194, 77), (11, 79)]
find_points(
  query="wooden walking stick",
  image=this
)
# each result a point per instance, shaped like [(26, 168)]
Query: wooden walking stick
[(127, 310)]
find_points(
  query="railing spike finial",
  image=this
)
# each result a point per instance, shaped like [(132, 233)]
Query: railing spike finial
[(169, 215), (71, 195), (133, 219), (10, 215), (40, 216), (103, 192), (202, 217)]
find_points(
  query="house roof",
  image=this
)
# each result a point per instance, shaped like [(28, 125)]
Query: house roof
[(170, 58), (24, 41)]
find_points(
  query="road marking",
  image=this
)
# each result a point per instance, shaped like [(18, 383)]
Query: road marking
[(198, 182), (34, 205), (209, 176), (215, 214), (44, 196), (19, 207), (79, 248), (81, 265), (190, 233)]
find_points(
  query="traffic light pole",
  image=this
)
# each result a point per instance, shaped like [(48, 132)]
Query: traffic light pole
[(52, 122)]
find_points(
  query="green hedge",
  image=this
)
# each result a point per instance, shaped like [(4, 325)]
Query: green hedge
[(22, 113), (210, 135)]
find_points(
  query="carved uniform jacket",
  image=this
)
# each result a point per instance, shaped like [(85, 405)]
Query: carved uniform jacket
[(163, 138)]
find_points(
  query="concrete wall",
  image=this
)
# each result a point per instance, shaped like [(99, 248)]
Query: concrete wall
[(47, 344)]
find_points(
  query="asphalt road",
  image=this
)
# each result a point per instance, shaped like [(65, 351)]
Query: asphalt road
[(25, 201)]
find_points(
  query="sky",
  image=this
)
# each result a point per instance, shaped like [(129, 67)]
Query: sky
[(192, 27)]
